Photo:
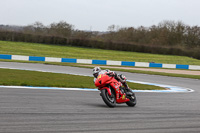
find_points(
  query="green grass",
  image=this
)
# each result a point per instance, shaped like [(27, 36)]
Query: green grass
[(34, 49), (33, 78)]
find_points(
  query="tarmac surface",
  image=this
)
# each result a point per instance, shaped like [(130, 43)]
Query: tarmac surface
[(56, 111)]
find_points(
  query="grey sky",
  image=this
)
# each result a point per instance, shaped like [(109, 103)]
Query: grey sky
[(99, 14)]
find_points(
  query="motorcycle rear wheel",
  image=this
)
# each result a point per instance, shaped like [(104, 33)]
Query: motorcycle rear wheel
[(110, 101), (132, 101)]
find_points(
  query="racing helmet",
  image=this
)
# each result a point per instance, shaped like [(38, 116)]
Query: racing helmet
[(96, 71)]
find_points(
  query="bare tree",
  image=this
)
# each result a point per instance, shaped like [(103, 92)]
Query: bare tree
[(61, 29)]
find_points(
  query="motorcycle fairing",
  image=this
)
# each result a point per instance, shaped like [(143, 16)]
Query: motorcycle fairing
[(101, 82)]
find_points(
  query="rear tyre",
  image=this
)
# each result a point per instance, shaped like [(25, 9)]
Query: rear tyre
[(110, 101), (132, 101)]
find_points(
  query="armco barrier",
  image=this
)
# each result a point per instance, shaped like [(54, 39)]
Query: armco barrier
[(98, 62)]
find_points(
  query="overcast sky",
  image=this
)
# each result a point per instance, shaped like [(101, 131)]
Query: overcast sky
[(99, 14)]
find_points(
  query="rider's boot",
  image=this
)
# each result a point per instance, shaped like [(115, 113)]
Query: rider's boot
[(128, 90), (122, 79)]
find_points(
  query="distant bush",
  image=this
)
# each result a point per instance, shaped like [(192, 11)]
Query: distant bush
[(21, 37), (169, 50)]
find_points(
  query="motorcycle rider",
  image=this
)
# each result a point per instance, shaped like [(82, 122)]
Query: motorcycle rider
[(97, 71)]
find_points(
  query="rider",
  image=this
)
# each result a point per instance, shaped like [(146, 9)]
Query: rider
[(97, 71)]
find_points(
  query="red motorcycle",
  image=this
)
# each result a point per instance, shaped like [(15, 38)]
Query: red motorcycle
[(112, 91)]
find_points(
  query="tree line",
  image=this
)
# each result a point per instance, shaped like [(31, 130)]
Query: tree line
[(166, 33), (168, 37)]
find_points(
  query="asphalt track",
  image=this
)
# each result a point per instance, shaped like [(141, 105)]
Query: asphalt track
[(52, 111)]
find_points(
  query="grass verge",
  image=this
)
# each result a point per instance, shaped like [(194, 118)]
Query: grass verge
[(45, 50), (33, 78)]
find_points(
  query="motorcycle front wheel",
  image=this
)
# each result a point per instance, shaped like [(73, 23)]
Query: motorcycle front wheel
[(110, 101)]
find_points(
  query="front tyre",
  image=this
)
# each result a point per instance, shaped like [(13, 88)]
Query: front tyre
[(132, 101), (110, 101)]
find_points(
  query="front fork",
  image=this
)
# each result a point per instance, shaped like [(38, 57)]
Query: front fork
[(108, 90)]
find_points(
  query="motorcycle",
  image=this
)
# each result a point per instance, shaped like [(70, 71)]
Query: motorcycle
[(112, 91)]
